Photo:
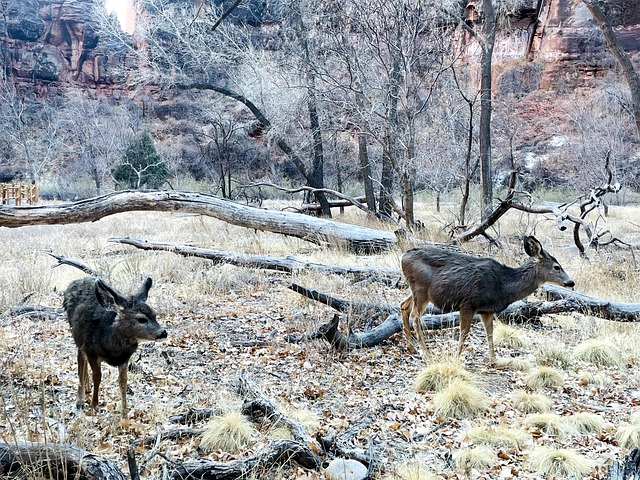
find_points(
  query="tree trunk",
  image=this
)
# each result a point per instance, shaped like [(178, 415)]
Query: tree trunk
[(486, 180), (363, 156), (630, 74), (281, 264), (315, 230), (50, 460)]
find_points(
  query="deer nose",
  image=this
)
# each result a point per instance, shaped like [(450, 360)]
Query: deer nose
[(570, 284), (162, 334)]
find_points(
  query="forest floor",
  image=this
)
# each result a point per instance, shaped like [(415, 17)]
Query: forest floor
[(225, 320)]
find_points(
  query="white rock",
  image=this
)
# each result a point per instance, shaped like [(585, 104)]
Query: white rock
[(341, 469)]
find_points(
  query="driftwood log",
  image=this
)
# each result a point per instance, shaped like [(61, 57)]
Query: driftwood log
[(518, 312), (50, 460), (277, 453), (627, 469), (282, 264), (315, 230)]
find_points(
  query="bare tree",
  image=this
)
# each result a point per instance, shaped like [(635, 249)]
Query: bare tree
[(597, 9), (30, 130), (97, 134)]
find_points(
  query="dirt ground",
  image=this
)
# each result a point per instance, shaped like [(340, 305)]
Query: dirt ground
[(224, 320)]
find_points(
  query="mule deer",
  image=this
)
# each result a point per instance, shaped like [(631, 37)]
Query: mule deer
[(107, 326), (458, 282)]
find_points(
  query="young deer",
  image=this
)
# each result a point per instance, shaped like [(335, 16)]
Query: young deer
[(457, 282), (107, 326)]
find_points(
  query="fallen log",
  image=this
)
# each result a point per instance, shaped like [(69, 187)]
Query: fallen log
[(520, 312), (315, 230), (51, 460), (626, 469), (598, 307), (276, 454), (281, 264)]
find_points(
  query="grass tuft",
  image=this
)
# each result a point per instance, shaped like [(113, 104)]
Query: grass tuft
[(460, 400), (412, 471), (586, 422), (598, 351), (498, 437), (549, 423), (593, 378), (520, 364), (475, 458), (508, 336), (438, 375), (229, 432), (628, 435), (553, 354), (544, 377), (530, 402), (560, 462)]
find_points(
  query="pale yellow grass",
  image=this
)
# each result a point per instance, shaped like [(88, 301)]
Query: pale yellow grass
[(475, 458), (560, 462), (230, 432)]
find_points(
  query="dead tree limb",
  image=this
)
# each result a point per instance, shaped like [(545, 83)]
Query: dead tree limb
[(315, 230), (346, 199), (74, 263), (257, 401), (52, 460), (275, 455), (626, 469), (598, 307), (281, 264), (520, 312)]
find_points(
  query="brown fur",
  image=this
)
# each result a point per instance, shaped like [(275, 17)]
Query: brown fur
[(458, 282)]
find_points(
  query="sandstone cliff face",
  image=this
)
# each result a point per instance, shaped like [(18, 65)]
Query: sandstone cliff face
[(47, 43)]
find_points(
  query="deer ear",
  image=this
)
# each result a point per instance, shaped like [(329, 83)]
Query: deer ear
[(532, 247), (143, 293), (108, 297)]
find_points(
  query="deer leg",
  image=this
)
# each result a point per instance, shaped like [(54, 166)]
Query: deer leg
[(405, 310), (418, 310), (465, 325), (487, 321), (96, 370), (122, 382), (83, 377)]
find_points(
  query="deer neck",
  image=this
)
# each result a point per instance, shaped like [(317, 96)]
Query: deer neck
[(521, 282)]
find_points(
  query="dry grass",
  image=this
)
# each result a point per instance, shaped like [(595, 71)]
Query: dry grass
[(598, 351), (514, 363), (544, 377), (411, 471), (560, 463), (593, 377), (475, 458), (230, 432), (498, 436), (549, 423), (628, 435), (508, 336), (459, 399), (438, 375), (212, 310), (552, 353), (586, 422)]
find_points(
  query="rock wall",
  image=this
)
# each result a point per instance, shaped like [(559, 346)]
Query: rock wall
[(48, 43)]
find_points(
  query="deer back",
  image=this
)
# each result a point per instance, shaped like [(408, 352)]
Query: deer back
[(106, 324)]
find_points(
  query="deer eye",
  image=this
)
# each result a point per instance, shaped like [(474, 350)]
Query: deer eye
[(556, 267), (142, 319)]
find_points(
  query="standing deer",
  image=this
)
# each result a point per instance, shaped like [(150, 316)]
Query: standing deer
[(107, 326), (457, 282)]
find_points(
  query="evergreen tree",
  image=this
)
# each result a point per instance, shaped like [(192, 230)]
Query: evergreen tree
[(141, 165)]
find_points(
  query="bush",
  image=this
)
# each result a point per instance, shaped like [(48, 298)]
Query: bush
[(141, 165)]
